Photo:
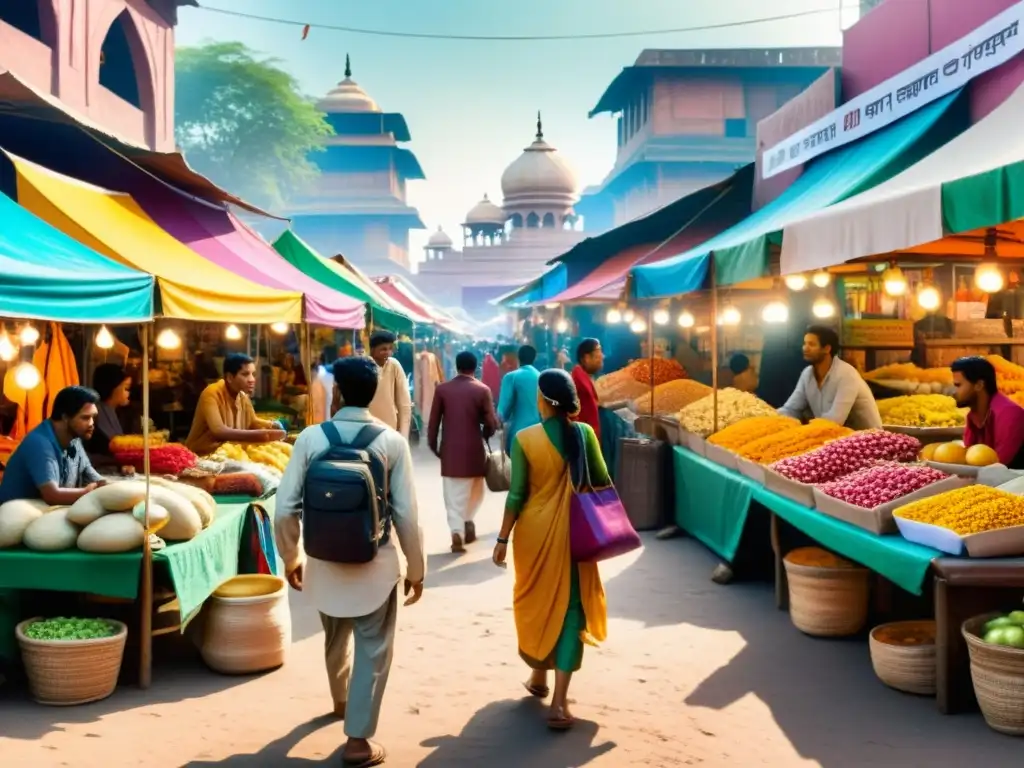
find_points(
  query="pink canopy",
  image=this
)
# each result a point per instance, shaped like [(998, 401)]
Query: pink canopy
[(218, 236)]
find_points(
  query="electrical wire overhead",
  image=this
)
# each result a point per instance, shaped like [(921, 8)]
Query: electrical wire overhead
[(307, 27)]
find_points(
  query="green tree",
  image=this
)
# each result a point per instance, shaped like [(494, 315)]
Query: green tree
[(242, 120)]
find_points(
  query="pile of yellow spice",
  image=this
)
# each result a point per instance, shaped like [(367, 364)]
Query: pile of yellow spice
[(974, 509), (736, 436), (793, 442)]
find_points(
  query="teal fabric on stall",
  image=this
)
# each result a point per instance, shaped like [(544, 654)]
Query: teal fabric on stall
[(903, 563), (741, 252), (46, 274), (712, 502)]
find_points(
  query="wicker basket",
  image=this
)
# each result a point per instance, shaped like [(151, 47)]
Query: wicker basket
[(247, 625), (998, 675), (62, 673), (903, 656), (828, 596)]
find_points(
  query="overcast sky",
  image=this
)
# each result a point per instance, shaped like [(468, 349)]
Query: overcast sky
[(471, 106)]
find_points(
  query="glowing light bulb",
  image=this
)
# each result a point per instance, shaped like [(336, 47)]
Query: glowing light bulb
[(730, 316), (929, 298), (775, 312), (796, 282), (638, 325), (686, 320), (628, 316), (562, 325), (168, 339), (553, 305), (27, 377), (104, 338), (232, 333), (989, 278), (823, 308), (893, 281), (661, 317), (614, 317), (7, 349), (280, 328), (821, 278), (29, 336)]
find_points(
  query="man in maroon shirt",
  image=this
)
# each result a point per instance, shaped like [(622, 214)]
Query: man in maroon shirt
[(589, 359), (994, 419)]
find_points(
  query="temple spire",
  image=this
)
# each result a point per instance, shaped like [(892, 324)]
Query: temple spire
[(348, 66), (540, 129)]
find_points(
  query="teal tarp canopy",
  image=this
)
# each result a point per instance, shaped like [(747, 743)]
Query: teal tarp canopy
[(539, 290), (741, 252), (46, 275)]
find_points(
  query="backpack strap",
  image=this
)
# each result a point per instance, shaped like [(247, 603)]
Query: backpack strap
[(366, 436), (333, 433)]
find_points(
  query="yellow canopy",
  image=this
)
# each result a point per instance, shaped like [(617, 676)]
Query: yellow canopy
[(191, 288)]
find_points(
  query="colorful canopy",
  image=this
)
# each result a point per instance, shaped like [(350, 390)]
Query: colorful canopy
[(219, 237), (551, 283), (418, 306), (974, 182), (46, 275), (191, 287), (298, 253), (741, 252)]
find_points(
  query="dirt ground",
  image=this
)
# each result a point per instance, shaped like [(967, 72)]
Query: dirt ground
[(692, 674)]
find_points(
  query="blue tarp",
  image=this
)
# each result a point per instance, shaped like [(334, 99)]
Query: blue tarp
[(46, 275), (741, 252), (539, 290)]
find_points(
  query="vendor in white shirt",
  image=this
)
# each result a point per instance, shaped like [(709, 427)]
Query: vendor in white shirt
[(830, 388)]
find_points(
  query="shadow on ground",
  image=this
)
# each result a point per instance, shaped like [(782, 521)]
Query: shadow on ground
[(275, 754), (822, 693)]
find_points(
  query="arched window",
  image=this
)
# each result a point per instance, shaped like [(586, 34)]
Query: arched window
[(517, 221), (549, 221), (532, 221), (23, 15), (117, 68)]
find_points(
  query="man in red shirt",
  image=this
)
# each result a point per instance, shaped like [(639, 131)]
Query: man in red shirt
[(994, 419), (589, 359)]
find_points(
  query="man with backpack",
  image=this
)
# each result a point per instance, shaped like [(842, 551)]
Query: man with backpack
[(347, 491)]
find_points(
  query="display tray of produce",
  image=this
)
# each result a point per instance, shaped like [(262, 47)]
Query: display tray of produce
[(954, 458), (721, 456), (750, 469), (878, 519), (964, 470), (975, 520), (694, 442), (801, 493), (927, 434)]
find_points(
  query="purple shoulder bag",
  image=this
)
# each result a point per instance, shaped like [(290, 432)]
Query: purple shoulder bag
[(599, 528)]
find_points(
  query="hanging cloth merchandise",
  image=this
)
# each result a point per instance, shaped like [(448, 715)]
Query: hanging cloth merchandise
[(57, 369)]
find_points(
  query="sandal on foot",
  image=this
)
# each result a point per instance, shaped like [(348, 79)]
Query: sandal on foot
[(377, 757), (540, 691), (561, 722)]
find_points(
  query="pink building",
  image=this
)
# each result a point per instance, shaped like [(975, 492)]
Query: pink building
[(109, 61)]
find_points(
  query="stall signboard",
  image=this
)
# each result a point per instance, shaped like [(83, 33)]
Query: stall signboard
[(993, 43), (878, 333)]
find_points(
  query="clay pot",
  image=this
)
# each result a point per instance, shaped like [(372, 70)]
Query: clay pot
[(247, 625)]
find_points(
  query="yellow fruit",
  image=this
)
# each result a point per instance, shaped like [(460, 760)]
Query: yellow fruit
[(950, 453), (928, 452), (981, 456)]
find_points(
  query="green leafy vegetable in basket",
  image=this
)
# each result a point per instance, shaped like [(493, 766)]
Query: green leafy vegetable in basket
[(63, 628)]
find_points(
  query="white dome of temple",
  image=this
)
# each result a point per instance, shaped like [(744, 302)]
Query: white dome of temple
[(347, 96), (485, 212), (439, 240), (539, 177)]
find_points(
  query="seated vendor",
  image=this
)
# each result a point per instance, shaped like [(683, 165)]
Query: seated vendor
[(51, 463), (994, 419), (744, 377), (113, 386), (225, 413), (830, 388)]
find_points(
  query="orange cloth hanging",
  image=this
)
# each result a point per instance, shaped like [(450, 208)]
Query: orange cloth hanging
[(57, 369)]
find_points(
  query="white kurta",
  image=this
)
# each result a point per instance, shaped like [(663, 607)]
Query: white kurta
[(462, 499)]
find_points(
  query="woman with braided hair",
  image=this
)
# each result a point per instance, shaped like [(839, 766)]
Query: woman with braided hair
[(558, 605)]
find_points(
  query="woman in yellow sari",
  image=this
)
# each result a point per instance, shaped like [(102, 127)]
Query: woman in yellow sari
[(558, 605)]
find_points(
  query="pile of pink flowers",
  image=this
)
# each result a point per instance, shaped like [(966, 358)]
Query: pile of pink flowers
[(848, 454), (877, 485)]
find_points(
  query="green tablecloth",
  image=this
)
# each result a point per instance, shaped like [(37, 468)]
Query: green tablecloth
[(712, 502), (904, 563)]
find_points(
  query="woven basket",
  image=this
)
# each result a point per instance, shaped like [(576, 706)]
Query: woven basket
[(247, 625), (903, 656), (828, 596), (998, 675), (62, 673)]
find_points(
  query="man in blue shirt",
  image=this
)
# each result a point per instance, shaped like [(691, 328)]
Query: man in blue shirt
[(517, 403), (51, 463)]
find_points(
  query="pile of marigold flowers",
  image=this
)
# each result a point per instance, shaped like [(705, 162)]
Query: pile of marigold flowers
[(974, 509), (736, 436), (793, 442)]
